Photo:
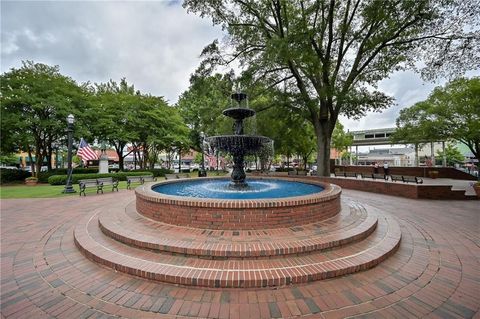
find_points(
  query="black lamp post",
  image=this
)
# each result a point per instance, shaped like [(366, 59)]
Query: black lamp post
[(202, 172), (68, 185)]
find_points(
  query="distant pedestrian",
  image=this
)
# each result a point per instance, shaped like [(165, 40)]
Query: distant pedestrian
[(375, 168), (385, 168)]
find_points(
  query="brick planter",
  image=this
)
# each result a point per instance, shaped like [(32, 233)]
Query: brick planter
[(239, 214)]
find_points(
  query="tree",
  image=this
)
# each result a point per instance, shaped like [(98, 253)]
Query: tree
[(202, 104), (452, 155), (450, 112), (125, 116), (341, 140), (36, 100), (331, 54), (115, 104)]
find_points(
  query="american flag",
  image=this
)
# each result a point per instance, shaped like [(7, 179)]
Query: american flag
[(85, 151)]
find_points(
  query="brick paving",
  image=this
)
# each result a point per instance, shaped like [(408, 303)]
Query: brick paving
[(434, 273)]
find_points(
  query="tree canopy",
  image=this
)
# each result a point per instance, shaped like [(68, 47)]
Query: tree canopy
[(36, 100), (126, 116), (450, 112), (331, 54)]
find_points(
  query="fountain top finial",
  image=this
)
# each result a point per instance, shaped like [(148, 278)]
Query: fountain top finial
[(239, 96), (239, 112)]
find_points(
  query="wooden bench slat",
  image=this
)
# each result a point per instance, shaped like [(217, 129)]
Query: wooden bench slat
[(140, 179), (98, 183)]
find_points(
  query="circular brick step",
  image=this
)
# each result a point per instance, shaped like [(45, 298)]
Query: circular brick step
[(279, 271), (350, 225)]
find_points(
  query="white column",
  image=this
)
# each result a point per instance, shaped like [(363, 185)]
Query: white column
[(444, 160), (432, 154), (416, 156), (356, 154)]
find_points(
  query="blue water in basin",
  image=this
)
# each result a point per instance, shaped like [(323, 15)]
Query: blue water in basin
[(257, 188)]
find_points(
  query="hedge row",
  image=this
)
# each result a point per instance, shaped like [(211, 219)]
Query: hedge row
[(157, 172), (43, 176), (12, 175), (121, 176)]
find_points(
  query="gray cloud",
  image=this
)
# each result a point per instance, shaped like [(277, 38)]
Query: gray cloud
[(407, 88), (155, 45)]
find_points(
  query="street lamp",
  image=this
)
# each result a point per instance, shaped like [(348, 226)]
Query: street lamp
[(202, 172), (68, 185)]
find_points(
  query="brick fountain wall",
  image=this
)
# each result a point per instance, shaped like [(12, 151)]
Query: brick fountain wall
[(239, 214)]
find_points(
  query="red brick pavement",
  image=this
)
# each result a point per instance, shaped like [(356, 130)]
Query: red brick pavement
[(435, 272)]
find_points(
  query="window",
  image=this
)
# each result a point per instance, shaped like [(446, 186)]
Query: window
[(369, 136)]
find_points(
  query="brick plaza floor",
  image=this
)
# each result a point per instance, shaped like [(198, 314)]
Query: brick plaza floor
[(435, 273)]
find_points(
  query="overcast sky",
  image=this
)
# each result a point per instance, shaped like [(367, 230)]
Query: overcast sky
[(154, 44)]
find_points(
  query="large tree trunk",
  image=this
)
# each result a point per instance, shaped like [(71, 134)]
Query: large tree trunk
[(49, 157), (322, 132), (30, 160)]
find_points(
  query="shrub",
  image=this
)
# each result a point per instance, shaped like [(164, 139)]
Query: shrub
[(157, 172), (43, 176), (121, 176), (12, 175)]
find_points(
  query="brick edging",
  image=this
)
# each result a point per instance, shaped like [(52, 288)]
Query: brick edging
[(229, 214)]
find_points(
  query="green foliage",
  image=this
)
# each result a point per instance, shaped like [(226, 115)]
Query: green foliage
[(453, 155), (202, 104), (12, 175), (450, 112), (198, 158), (124, 116), (157, 172), (36, 100), (8, 159), (121, 176), (43, 176), (330, 55), (341, 140)]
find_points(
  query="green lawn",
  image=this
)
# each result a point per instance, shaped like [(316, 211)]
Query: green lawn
[(47, 191), (44, 190)]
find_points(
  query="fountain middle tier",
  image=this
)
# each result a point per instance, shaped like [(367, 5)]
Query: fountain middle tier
[(238, 144)]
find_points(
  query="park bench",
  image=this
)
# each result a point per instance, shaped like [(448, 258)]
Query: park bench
[(396, 178), (133, 179), (351, 174), (379, 176), (412, 179), (139, 179), (338, 173), (86, 183), (105, 182), (148, 178)]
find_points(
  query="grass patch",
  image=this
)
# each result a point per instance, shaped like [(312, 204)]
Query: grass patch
[(17, 190), (46, 190)]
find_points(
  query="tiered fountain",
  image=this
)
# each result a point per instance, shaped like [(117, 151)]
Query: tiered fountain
[(239, 144), (221, 233)]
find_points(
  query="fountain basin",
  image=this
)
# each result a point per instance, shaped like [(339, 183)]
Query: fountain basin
[(239, 214)]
